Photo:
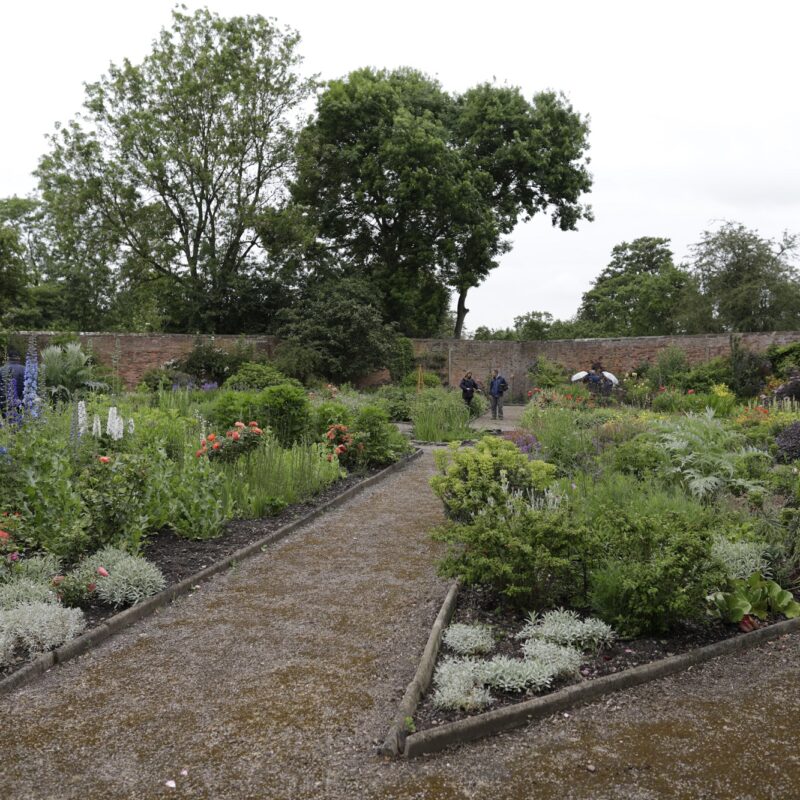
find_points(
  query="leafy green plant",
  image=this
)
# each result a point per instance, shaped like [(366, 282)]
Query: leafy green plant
[(756, 596), (430, 380), (375, 440), (546, 374), (469, 640), (66, 369), (471, 480)]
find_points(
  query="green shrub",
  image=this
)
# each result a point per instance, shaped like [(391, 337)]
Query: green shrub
[(703, 377), (254, 376), (375, 440), (207, 363), (784, 359), (640, 456), (287, 411), (396, 401), (330, 412), (470, 480), (547, 374), (533, 557), (670, 369), (430, 380), (401, 358), (657, 565), (66, 369)]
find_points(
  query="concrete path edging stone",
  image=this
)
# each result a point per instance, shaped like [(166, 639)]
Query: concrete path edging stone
[(434, 740), (81, 644), (395, 741)]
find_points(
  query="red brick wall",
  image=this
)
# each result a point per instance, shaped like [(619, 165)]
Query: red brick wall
[(139, 352)]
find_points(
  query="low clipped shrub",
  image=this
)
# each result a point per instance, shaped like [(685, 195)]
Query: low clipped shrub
[(255, 376), (430, 380)]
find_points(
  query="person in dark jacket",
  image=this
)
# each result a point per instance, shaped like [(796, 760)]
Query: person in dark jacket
[(498, 386), (468, 388)]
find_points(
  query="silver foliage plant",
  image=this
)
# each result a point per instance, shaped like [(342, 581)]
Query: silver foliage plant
[(40, 569), (130, 578), (566, 628), (740, 559), (468, 640), (458, 686), (24, 590), (560, 660), (514, 675), (37, 628)]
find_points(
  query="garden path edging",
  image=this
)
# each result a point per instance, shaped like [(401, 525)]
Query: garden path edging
[(395, 741), (434, 740), (81, 644)]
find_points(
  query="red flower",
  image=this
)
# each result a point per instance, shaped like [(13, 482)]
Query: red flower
[(91, 587), (253, 424), (102, 572), (662, 388), (257, 431), (5, 535), (212, 436), (104, 459), (235, 436), (530, 393), (216, 446), (199, 453), (690, 391)]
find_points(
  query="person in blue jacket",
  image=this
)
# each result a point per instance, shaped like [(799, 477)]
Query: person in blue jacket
[(498, 386)]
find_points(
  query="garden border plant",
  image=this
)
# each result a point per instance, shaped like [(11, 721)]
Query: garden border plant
[(402, 740), (118, 622)]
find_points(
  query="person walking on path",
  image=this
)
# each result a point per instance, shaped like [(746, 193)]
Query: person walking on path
[(468, 388), (498, 386)]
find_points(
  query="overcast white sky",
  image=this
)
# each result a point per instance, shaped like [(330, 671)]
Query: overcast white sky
[(694, 106)]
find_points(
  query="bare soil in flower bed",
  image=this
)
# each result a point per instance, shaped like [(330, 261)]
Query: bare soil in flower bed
[(479, 605), (178, 558)]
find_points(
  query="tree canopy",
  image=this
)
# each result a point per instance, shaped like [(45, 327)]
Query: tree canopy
[(414, 188), (745, 282), (161, 189), (639, 293)]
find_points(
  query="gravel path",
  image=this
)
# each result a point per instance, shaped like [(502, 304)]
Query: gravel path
[(278, 679)]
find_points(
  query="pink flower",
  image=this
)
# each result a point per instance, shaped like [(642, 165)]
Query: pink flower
[(235, 436), (90, 587), (257, 431), (238, 425), (690, 391), (102, 572), (5, 535), (253, 424), (199, 453), (104, 459), (13, 557)]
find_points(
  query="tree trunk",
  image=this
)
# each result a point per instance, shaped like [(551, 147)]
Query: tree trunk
[(461, 313)]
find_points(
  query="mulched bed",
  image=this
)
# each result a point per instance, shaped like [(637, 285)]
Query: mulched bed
[(479, 605), (178, 558)]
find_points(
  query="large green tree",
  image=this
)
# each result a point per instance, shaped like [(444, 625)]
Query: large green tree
[(639, 293), (745, 282), (162, 189), (414, 189)]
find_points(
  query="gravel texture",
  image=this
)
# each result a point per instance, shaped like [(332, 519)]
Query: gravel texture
[(279, 678)]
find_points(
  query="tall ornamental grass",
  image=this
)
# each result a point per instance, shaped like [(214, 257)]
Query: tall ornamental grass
[(264, 481), (440, 416)]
